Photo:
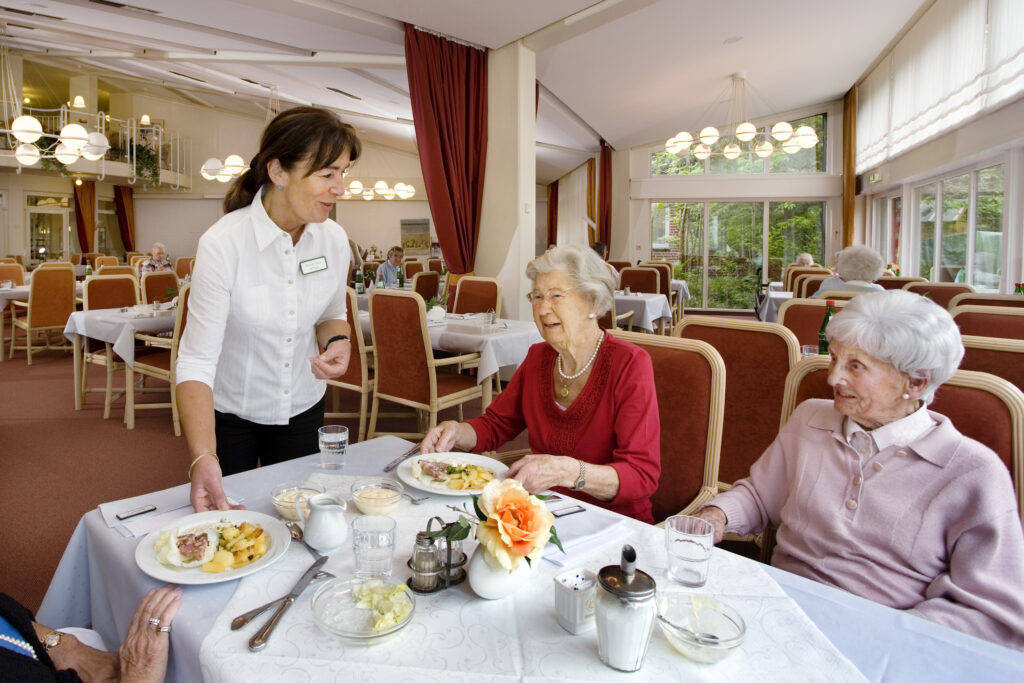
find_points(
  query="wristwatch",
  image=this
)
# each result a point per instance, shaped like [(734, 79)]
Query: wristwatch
[(581, 480), (51, 640)]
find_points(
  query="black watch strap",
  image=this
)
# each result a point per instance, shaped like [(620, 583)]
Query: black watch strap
[(337, 337)]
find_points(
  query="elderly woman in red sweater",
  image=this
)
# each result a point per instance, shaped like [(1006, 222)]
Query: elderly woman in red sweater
[(587, 398)]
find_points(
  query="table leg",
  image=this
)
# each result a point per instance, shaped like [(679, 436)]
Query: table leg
[(77, 352), (488, 390)]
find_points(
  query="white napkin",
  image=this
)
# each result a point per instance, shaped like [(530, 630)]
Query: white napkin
[(581, 534), (170, 504)]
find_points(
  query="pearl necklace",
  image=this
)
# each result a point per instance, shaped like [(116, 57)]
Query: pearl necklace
[(23, 645), (568, 379)]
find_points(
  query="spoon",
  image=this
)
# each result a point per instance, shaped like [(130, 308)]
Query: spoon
[(296, 532)]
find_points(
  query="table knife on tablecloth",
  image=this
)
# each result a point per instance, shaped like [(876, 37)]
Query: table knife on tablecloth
[(259, 641), (404, 456)]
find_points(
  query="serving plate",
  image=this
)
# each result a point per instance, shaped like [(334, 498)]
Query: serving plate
[(405, 472), (145, 554)]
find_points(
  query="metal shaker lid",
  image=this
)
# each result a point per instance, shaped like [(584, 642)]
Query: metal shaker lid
[(625, 580)]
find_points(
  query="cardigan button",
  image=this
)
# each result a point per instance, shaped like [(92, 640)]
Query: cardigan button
[(878, 466), (857, 480), (851, 504)]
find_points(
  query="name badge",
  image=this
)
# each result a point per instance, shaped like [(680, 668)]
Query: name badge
[(313, 265)]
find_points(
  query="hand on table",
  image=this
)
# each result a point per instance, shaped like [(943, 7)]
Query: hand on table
[(143, 654), (537, 472), (717, 517), (449, 436), (208, 487), (333, 361)]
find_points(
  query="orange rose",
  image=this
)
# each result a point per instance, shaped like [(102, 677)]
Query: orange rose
[(517, 524)]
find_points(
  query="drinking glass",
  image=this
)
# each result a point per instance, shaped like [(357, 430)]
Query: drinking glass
[(808, 350), (333, 442), (688, 541), (373, 542)]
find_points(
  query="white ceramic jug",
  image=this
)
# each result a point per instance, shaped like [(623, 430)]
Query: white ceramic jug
[(325, 528)]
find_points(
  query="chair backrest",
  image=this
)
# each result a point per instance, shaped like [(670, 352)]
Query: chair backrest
[(805, 284), (989, 321), (689, 379), (51, 298), (137, 259), (180, 320), (640, 279), (413, 267), (14, 272), (89, 258), (664, 275), (939, 292), (1000, 357), (426, 283), (17, 258), (897, 282), (975, 299), (403, 358), (981, 406), (115, 270), (110, 291), (839, 295), (101, 261), (803, 317), (7, 259), (54, 264), (436, 265), (619, 265), (160, 285), (758, 357), (475, 294), (183, 266), (789, 277), (607, 321), (357, 372), (76, 259)]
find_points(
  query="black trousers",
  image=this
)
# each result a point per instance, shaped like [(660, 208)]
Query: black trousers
[(242, 445)]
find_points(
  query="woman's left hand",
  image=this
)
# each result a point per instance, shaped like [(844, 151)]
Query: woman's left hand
[(143, 653), (538, 472), (333, 361)]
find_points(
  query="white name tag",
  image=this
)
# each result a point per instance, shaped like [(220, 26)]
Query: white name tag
[(313, 265)]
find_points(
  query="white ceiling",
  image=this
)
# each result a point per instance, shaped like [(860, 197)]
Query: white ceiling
[(630, 71)]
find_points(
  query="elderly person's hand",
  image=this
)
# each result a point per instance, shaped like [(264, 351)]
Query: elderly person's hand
[(143, 654), (716, 516), (538, 472), (449, 436)]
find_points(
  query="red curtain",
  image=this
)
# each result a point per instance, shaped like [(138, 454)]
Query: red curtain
[(125, 204), (448, 90), (604, 201), (553, 213), (85, 213)]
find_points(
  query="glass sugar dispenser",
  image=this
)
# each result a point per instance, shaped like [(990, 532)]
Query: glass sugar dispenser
[(625, 613)]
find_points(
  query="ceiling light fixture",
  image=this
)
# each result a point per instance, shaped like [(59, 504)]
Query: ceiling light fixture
[(78, 102), (379, 189)]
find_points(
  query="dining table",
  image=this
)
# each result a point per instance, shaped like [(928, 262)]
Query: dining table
[(795, 629), (768, 311), (649, 310)]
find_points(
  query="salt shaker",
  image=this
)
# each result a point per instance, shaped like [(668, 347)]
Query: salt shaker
[(625, 613)]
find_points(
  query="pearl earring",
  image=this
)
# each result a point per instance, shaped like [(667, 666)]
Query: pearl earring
[(905, 396), (591, 316)]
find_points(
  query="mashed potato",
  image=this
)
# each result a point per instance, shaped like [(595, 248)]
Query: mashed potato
[(167, 552)]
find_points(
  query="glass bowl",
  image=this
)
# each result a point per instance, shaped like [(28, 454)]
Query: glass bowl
[(377, 495), (699, 626), (283, 497), (335, 610)]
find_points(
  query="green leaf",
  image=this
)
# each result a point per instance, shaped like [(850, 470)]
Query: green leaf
[(476, 506), (557, 541)]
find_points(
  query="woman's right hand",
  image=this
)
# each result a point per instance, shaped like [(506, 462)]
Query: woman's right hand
[(718, 520), (143, 654), (208, 488), (449, 436)]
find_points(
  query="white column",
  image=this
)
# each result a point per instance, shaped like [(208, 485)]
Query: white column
[(508, 218)]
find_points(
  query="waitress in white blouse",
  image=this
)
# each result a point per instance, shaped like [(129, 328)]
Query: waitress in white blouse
[(266, 321)]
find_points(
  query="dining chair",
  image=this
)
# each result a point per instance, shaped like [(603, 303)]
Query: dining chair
[(426, 283), (898, 282), (15, 272), (640, 279), (690, 383), (436, 265), (104, 291), (939, 292), (358, 377), (101, 261), (129, 255), (1000, 357), (17, 258), (665, 284), (978, 299), (158, 363), (989, 321), (7, 260), (611, 319), (839, 294), (136, 260), (160, 285), (792, 272), (116, 270), (475, 294), (757, 357), (54, 264), (76, 259), (980, 405), (51, 301), (803, 317), (183, 267), (413, 267), (806, 284), (619, 265), (405, 370)]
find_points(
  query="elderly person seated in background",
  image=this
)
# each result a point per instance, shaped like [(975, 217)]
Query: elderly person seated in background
[(857, 268), (601, 249), (877, 495), (803, 260), (157, 260), (387, 272), (587, 398)]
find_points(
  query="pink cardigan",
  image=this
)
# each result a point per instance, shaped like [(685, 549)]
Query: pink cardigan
[(931, 527)]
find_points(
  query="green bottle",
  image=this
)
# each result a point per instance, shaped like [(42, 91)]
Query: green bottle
[(401, 276), (359, 282), (830, 310)]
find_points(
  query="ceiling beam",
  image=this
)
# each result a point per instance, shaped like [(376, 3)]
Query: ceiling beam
[(376, 25), (569, 115), (582, 22)]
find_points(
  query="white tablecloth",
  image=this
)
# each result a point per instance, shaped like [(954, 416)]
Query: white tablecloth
[(769, 309), (681, 289), (111, 325), (647, 308)]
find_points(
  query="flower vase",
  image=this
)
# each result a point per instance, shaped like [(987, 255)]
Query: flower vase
[(490, 583)]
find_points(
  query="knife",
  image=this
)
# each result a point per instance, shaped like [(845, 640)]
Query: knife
[(242, 620), (404, 456), (259, 641)]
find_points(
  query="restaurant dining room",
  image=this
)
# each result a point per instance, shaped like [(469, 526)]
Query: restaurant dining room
[(564, 340)]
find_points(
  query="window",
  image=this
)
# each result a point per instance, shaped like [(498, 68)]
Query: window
[(794, 228), (108, 234)]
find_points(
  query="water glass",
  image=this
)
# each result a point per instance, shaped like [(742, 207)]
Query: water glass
[(333, 442), (688, 541), (373, 542), (488, 318), (808, 350)]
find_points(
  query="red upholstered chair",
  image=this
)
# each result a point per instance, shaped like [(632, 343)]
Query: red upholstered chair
[(413, 267), (806, 284), (105, 291), (475, 294), (18, 258), (436, 265), (136, 260), (116, 270), (897, 282), (939, 292), (640, 279), (975, 299), (51, 300), (359, 375), (54, 264), (619, 265), (101, 261), (689, 378), (757, 359), (7, 260), (183, 266), (665, 283), (803, 317), (1000, 357), (76, 259), (161, 285), (426, 283), (839, 295), (792, 272), (611, 319), (405, 367), (989, 321)]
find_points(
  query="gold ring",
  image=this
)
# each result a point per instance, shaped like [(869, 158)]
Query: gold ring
[(163, 629)]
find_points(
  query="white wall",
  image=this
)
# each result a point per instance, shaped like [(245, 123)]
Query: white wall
[(177, 223)]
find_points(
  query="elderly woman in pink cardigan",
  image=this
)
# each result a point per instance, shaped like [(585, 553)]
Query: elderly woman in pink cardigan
[(875, 494)]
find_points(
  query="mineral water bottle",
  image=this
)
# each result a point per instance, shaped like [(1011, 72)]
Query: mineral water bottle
[(830, 310), (359, 282)]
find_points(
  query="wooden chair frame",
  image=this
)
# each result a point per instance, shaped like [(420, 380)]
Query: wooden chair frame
[(917, 287), (994, 312), (477, 278), (792, 272), (840, 295), (25, 323), (365, 387), (820, 303), (980, 299), (105, 358), (804, 281), (156, 275)]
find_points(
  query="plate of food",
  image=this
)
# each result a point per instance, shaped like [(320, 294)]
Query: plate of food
[(213, 546), (363, 612), (451, 474)]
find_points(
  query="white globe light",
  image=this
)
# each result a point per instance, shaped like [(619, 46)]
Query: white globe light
[(27, 154), (806, 137), (670, 145), (74, 136), (782, 131), (709, 135), (211, 167), (399, 188), (389, 194), (355, 187), (380, 187), (410, 192), (746, 131), (224, 176), (702, 151), (27, 128), (791, 146), (65, 154), (764, 149), (96, 147), (683, 141), (731, 151), (368, 194), (234, 164)]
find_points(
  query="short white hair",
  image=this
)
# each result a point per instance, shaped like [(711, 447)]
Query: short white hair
[(908, 331), (590, 275), (860, 262), (804, 259)]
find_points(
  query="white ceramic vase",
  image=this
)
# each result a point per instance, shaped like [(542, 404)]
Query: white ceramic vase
[(490, 583)]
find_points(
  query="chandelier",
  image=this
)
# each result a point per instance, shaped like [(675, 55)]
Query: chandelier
[(741, 136), (223, 171), (381, 189)]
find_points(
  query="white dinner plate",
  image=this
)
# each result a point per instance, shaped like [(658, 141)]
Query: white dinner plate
[(405, 472), (145, 555)]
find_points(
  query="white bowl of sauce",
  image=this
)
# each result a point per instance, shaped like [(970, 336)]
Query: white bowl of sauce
[(284, 497), (377, 495)]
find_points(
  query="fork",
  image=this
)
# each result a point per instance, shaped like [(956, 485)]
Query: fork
[(415, 501)]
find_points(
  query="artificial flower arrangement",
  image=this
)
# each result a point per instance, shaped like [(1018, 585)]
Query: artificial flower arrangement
[(513, 525), (894, 268)]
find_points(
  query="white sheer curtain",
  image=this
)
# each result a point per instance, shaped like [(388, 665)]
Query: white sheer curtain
[(1005, 51), (572, 207), (873, 117)]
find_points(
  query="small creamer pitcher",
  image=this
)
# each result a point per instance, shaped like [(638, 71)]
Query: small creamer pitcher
[(326, 528)]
